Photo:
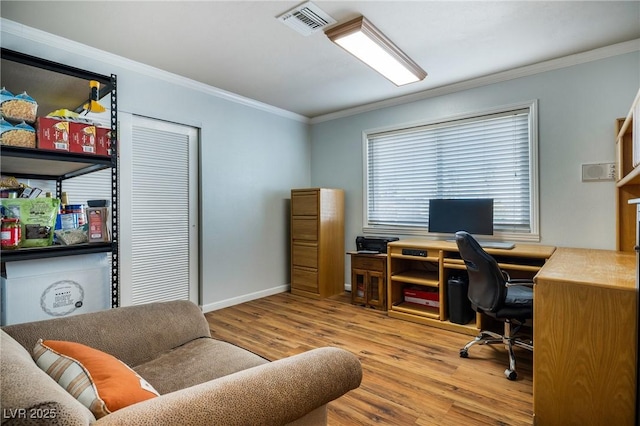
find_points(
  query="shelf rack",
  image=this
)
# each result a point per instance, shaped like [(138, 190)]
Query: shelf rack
[(56, 86), (628, 184)]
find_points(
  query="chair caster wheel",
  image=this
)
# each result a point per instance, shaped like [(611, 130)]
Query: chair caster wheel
[(464, 353), (511, 375)]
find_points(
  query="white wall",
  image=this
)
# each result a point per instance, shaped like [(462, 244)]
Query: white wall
[(251, 156), (577, 109)]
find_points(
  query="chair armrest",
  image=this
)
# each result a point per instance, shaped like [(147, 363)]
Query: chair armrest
[(275, 393)]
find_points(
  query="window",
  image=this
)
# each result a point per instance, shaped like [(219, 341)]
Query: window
[(492, 155)]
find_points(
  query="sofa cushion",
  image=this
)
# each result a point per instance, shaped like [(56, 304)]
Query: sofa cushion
[(154, 327), (98, 380), (29, 395), (196, 362)]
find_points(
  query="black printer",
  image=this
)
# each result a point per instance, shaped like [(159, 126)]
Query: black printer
[(373, 244)]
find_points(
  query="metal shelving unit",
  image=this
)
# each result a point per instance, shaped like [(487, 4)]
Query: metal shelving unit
[(55, 86)]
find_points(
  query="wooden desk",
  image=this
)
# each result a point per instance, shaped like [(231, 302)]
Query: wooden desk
[(430, 264), (584, 333)]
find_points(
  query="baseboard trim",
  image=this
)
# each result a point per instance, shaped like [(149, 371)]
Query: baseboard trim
[(245, 298), (210, 307)]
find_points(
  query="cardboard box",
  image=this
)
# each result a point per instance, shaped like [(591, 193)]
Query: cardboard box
[(42, 289), (103, 141), (82, 137), (422, 296), (53, 134)]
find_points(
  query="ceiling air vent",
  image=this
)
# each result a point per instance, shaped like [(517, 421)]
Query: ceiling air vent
[(306, 19)]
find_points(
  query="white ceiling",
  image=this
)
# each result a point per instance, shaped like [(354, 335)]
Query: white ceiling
[(239, 46)]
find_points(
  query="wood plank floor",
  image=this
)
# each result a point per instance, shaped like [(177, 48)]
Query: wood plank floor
[(412, 373)]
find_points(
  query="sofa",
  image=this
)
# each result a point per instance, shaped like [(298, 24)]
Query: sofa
[(200, 380)]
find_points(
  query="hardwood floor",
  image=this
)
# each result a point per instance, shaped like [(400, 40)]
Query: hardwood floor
[(412, 373)]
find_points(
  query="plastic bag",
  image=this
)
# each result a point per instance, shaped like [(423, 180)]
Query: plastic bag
[(37, 218)]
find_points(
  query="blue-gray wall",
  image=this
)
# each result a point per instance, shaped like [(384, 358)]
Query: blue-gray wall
[(252, 155), (578, 106)]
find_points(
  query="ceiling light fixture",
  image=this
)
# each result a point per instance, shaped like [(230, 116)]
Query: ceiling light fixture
[(364, 41)]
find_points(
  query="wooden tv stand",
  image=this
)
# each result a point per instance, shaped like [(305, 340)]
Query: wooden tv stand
[(428, 264)]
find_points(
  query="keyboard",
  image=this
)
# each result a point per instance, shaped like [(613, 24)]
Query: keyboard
[(496, 245), (493, 244)]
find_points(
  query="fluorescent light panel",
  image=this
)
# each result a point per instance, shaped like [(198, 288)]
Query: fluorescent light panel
[(360, 38)]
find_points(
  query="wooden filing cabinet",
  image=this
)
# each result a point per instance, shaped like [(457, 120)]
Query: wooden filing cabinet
[(317, 242), (369, 280)]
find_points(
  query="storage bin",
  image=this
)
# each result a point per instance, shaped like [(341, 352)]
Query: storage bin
[(33, 290)]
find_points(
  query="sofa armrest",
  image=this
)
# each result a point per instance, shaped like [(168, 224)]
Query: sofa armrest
[(275, 393)]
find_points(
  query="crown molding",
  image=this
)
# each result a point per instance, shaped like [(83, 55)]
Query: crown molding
[(53, 41), (528, 70), (75, 48)]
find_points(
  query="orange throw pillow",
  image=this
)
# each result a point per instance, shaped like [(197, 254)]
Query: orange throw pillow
[(98, 380)]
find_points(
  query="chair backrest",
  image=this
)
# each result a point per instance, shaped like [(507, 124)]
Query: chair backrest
[(487, 289)]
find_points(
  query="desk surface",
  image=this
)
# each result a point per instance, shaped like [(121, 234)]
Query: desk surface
[(520, 250), (600, 268)]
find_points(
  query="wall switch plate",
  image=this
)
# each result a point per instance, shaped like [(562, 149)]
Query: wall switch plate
[(598, 172)]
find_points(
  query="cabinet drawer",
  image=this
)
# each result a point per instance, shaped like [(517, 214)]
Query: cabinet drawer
[(304, 203), (368, 263), (304, 229), (305, 255), (304, 279)]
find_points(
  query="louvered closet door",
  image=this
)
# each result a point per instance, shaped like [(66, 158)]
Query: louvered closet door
[(164, 208)]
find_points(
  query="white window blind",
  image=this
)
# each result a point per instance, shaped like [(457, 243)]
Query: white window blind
[(481, 157)]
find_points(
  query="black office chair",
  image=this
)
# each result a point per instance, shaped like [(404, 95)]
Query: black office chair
[(493, 293)]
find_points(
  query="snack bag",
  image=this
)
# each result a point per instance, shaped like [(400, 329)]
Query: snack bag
[(37, 218), (21, 107)]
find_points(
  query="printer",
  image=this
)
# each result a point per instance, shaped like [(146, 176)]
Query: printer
[(373, 244)]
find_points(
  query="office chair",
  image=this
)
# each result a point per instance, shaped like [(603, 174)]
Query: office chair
[(493, 293)]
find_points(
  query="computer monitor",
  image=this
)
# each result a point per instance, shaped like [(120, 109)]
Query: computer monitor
[(474, 215)]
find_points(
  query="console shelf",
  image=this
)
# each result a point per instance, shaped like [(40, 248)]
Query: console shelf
[(55, 251), (32, 162), (415, 309), (429, 279)]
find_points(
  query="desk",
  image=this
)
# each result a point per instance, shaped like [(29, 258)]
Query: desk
[(430, 263), (584, 333)]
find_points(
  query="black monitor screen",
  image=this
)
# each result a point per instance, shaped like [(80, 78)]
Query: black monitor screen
[(449, 216)]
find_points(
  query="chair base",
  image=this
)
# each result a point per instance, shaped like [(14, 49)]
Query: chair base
[(508, 339)]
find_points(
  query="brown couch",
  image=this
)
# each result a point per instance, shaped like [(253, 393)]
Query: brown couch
[(200, 380)]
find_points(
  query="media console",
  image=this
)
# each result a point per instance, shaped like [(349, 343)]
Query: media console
[(428, 264)]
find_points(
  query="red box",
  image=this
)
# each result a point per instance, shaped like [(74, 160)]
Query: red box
[(422, 296), (103, 141), (82, 137), (53, 134)]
